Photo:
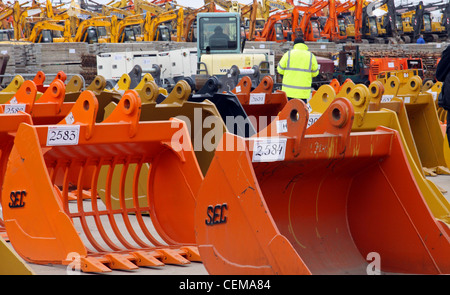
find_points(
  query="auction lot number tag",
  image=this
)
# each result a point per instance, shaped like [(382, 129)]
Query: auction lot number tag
[(63, 135), (14, 108), (269, 149)]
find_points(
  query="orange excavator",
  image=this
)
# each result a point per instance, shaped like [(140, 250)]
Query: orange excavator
[(310, 29), (273, 29)]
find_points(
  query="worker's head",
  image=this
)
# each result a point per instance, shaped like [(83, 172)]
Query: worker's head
[(218, 30), (298, 40)]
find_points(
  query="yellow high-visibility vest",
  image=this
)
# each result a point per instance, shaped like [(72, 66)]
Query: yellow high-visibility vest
[(298, 66)]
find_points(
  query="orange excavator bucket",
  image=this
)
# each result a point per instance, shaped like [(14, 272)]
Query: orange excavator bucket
[(316, 201), (44, 227), (261, 104)]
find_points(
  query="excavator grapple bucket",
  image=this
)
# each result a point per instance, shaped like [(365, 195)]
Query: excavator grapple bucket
[(44, 227), (320, 200)]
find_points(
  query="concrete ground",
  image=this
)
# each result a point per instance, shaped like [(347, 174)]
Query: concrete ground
[(195, 268)]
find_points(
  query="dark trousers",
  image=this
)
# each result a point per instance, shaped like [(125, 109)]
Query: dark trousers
[(304, 99), (448, 127)]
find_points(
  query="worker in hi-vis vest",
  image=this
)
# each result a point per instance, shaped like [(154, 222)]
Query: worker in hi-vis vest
[(298, 66)]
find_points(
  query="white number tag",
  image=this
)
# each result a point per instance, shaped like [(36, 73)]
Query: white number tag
[(14, 108), (387, 98), (282, 126), (269, 149), (312, 119), (257, 98), (63, 135)]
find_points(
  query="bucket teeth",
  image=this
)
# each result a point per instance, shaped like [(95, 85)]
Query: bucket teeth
[(170, 256), (119, 261), (135, 259), (143, 258), (92, 264), (191, 253)]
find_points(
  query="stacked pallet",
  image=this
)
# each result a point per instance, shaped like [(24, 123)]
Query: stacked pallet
[(89, 67), (27, 59), (51, 58)]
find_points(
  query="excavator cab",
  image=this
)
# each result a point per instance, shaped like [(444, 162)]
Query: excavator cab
[(220, 46), (373, 26), (6, 35), (278, 29), (45, 37), (218, 34), (427, 22), (399, 23), (128, 35), (163, 33), (94, 34)]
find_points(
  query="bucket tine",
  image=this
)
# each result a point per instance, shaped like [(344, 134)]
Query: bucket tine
[(320, 202), (175, 106)]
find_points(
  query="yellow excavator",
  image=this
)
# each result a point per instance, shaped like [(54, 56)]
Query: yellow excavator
[(50, 32), (94, 30), (128, 29), (155, 30)]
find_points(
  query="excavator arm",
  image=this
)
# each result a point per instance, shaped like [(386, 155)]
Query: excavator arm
[(358, 16), (142, 6), (252, 11), (418, 20)]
